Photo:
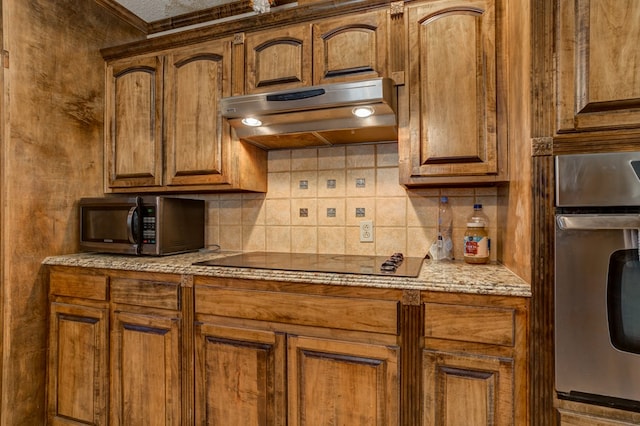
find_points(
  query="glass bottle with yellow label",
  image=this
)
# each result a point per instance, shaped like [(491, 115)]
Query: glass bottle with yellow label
[(476, 239)]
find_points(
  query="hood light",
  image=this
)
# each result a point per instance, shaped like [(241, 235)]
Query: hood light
[(252, 122), (363, 112)]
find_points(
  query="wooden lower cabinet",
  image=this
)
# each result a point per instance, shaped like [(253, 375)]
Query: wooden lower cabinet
[(467, 390), (261, 377), (117, 346), (291, 356), (78, 371), (136, 348), (145, 370), (474, 360), (149, 357), (334, 382), (240, 376)]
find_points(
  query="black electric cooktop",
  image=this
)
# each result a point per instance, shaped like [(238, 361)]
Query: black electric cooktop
[(336, 263)]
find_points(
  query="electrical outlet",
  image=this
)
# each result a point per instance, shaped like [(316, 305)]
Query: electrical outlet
[(366, 231)]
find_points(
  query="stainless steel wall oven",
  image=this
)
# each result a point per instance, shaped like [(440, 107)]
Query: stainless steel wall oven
[(597, 279)]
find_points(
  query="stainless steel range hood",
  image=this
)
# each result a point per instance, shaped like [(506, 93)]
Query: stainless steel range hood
[(316, 116)]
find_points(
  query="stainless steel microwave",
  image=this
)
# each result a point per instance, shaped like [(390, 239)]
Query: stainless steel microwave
[(141, 225)]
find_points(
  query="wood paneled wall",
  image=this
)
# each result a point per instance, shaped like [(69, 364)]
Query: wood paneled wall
[(52, 115)]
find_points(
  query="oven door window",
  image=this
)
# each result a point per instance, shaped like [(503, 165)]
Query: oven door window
[(623, 300)]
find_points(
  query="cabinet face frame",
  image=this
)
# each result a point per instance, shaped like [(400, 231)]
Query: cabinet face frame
[(133, 124), (598, 88), (79, 358)]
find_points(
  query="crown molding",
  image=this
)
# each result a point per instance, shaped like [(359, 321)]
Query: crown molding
[(124, 14)]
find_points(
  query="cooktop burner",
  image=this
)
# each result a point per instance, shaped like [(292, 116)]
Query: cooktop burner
[(337, 263)]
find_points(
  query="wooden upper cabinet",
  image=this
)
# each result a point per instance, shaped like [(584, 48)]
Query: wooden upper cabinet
[(452, 94), (133, 128), (598, 69), (165, 131), (278, 59), (350, 48), (339, 49), (196, 137)]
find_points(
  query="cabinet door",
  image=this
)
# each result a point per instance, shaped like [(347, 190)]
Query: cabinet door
[(133, 125), (197, 140), (78, 381), (452, 91), (462, 390), (239, 376), (145, 370), (278, 59), (341, 383), (350, 48), (598, 69)]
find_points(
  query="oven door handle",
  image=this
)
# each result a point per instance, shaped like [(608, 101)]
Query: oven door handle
[(598, 221)]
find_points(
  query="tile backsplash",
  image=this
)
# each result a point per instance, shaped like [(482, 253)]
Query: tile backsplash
[(317, 198)]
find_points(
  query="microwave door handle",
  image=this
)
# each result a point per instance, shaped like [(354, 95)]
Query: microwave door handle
[(598, 222), (133, 239)]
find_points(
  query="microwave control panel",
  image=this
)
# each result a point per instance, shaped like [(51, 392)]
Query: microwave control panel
[(149, 225)]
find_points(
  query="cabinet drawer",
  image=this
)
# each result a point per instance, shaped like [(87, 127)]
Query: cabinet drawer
[(154, 294), (371, 315), (470, 323), (73, 284), (568, 418), (573, 413)]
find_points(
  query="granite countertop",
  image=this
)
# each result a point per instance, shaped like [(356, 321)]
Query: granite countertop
[(456, 276)]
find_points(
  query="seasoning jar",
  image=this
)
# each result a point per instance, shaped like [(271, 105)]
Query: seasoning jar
[(476, 243)]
